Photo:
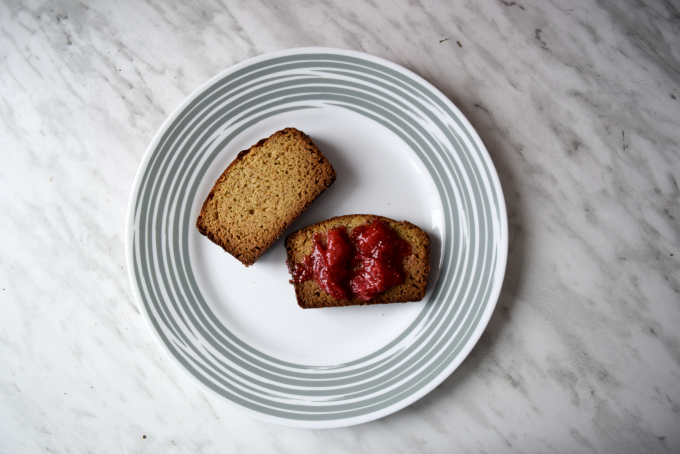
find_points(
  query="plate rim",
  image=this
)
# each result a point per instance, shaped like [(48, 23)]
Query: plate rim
[(493, 296)]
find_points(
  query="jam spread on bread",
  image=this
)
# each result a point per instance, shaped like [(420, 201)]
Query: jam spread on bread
[(381, 253), (362, 263)]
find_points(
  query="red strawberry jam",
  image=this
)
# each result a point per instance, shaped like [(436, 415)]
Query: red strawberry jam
[(364, 263)]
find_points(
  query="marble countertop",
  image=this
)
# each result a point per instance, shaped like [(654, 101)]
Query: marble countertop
[(577, 102)]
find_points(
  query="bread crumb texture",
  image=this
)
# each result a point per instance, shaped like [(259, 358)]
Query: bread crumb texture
[(417, 265), (262, 192)]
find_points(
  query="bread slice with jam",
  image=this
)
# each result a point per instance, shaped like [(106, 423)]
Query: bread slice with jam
[(416, 264)]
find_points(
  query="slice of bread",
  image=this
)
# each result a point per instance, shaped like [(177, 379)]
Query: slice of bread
[(417, 266), (262, 192)]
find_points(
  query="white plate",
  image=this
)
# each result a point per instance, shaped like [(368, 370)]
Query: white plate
[(401, 150)]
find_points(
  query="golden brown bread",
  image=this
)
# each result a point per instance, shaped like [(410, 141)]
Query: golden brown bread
[(262, 192), (417, 266)]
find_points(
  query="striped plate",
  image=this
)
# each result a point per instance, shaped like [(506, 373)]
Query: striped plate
[(401, 150)]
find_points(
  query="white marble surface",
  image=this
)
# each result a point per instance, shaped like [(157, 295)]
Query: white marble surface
[(578, 104)]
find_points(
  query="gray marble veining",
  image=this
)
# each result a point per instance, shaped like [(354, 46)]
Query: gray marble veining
[(577, 102)]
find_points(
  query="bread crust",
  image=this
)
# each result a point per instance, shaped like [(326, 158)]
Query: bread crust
[(243, 244), (309, 295)]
